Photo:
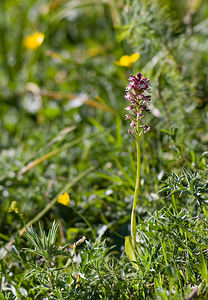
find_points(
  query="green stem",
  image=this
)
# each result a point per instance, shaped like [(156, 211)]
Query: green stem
[(86, 221), (51, 276), (133, 214)]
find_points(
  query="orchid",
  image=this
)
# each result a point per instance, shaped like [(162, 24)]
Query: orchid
[(138, 95)]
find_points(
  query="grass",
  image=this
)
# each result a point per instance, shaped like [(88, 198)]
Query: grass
[(63, 130)]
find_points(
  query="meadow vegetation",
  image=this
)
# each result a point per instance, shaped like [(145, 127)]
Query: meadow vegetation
[(68, 164)]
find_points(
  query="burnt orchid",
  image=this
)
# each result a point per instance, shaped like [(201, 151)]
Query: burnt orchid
[(138, 95)]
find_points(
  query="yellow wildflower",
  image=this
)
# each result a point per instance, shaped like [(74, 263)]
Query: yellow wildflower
[(94, 51), (34, 40), (128, 60), (134, 57), (64, 199), (13, 207)]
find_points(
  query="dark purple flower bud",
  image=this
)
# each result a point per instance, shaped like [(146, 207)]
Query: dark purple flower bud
[(139, 76), (132, 78)]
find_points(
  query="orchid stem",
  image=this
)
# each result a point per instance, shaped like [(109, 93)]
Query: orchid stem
[(133, 214)]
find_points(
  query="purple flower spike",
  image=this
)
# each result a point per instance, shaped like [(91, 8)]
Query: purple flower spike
[(137, 94)]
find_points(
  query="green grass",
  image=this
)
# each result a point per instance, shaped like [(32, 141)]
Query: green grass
[(62, 128)]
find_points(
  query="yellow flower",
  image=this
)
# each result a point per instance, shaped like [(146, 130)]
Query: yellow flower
[(94, 51), (134, 57), (64, 199), (13, 207), (128, 60), (34, 40)]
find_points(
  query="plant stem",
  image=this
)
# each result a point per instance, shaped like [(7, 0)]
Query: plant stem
[(51, 276), (133, 214)]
